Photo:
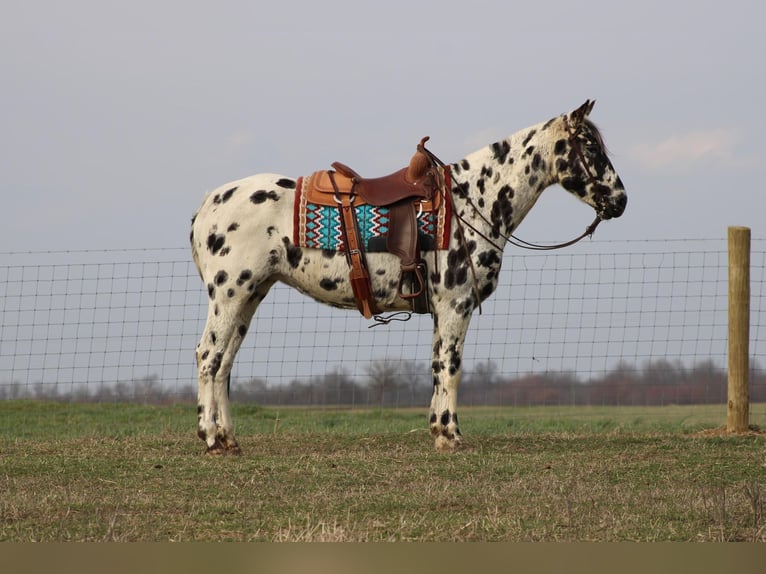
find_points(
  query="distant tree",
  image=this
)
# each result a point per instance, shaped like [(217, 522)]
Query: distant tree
[(384, 379)]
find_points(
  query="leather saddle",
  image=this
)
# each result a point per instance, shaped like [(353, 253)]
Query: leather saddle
[(405, 193)]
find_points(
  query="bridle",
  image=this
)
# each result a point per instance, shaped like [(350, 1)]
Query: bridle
[(511, 238), (574, 142)]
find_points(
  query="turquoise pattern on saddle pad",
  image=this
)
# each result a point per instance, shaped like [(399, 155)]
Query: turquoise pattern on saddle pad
[(323, 227)]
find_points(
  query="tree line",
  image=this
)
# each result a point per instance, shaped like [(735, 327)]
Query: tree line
[(403, 383)]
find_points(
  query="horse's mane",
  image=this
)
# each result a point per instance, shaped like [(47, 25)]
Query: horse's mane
[(596, 132)]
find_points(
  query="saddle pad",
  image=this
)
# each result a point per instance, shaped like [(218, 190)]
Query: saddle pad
[(319, 226)]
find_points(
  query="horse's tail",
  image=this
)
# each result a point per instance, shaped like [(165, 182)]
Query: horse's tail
[(195, 255)]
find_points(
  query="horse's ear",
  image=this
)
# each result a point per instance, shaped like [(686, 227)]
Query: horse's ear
[(583, 111)]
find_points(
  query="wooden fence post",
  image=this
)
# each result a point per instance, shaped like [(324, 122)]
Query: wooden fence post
[(738, 415)]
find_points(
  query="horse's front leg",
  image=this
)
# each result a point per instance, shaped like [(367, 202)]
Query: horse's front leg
[(449, 336)]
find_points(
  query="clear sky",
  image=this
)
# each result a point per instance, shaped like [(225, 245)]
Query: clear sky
[(117, 117)]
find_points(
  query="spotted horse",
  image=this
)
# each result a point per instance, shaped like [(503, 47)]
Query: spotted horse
[(243, 242)]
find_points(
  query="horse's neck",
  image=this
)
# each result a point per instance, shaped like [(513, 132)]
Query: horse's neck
[(508, 175)]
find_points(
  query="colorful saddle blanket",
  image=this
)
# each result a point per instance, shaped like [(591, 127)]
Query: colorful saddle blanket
[(319, 226)]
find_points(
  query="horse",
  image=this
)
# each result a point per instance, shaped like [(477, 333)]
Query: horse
[(242, 243)]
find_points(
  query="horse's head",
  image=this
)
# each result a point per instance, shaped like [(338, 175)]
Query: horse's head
[(583, 167)]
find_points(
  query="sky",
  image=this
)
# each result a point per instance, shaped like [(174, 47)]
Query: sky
[(117, 117)]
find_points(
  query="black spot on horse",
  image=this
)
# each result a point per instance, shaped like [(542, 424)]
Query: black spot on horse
[(574, 185), (219, 198), (270, 230), (500, 151), (461, 190), (225, 251), (457, 268), (221, 277), (215, 364), (502, 210), (329, 284), (211, 291), (530, 135), (445, 418), (537, 162), (294, 254), (486, 291), (328, 253), (286, 183), (215, 242), (227, 194), (262, 195), (242, 330), (244, 277), (529, 151), (455, 361), (231, 293), (233, 227), (489, 258), (560, 147)]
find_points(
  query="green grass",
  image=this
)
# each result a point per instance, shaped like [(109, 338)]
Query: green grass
[(136, 473)]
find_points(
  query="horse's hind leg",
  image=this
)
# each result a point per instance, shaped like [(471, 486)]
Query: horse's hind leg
[(226, 326), (215, 356)]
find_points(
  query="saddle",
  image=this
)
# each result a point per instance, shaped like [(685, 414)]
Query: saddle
[(404, 193)]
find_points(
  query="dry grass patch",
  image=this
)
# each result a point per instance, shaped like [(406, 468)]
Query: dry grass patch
[(326, 485)]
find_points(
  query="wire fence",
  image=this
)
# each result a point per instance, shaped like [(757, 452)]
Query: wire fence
[(631, 322)]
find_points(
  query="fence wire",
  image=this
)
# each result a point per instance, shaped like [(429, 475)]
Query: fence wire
[(123, 325)]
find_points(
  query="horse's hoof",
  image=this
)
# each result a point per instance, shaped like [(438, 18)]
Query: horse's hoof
[(444, 444), (219, 448)]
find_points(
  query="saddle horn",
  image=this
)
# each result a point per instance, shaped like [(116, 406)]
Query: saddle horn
[(420, 162)]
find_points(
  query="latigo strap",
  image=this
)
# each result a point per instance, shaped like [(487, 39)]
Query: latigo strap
[(358, 275)]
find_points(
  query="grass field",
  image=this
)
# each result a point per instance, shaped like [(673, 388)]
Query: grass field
[(102, 472)]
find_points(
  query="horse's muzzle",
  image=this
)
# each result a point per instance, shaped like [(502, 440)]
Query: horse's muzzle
[(613, 207)]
